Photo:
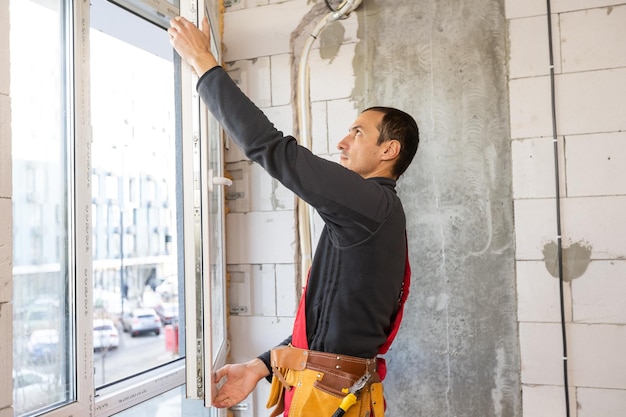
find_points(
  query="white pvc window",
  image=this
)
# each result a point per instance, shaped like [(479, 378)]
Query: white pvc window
[(115, 227), (50, 213)]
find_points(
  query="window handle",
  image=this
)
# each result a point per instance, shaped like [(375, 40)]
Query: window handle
[(214, 180), (222, 181)]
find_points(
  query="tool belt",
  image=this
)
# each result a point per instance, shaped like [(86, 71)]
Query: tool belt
[(320, 381)]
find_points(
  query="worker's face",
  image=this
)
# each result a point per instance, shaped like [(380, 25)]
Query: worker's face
[(359, 151)]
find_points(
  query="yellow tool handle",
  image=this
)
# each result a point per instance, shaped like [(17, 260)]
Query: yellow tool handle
[(347, 402)]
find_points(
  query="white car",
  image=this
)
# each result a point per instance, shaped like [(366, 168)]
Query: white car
[(43, 346), (141, 320), (168, 312), (105, 334), (168, 289)]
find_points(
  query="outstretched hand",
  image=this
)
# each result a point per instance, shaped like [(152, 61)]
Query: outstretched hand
[(192, 44), (240, 380)]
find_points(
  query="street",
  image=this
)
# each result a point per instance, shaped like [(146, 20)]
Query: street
[(135, 354)]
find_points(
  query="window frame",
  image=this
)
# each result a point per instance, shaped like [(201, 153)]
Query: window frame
[(123, 395), (197, 125), (78, 170)]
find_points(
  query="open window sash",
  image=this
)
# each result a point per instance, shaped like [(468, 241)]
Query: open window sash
[(205, 282)]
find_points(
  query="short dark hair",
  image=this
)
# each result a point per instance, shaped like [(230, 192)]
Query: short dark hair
[(402, 127)]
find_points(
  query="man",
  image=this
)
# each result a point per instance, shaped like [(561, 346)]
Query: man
[(358, 280)]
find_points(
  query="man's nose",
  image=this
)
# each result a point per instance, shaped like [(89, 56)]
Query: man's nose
[(342, 143)]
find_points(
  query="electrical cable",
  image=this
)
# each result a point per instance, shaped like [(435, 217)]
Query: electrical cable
[(558, 209), (304, 125), (330, 6)]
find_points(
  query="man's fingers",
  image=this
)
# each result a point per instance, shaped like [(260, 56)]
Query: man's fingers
[(174, 22), (178, 22), (222, 404), (219, 374), (206, 28)]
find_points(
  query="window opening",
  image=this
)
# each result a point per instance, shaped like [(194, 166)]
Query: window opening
[(135, 262)]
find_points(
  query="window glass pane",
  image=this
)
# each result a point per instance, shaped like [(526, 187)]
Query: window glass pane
[(135, 266), (216, 247), (42, 353)]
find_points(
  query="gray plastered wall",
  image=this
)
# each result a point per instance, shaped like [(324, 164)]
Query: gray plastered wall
[(446, 63)]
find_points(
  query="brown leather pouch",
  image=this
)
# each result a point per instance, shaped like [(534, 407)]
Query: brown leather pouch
[(289, 357), (333, 382)]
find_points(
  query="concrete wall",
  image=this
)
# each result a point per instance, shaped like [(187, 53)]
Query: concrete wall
[(482, 333), (457, 351)]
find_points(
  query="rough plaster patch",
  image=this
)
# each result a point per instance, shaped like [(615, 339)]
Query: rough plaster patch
[(296, 45), (364, 53), (575, 259), (438, 303), (331, 39), (277, 203), (500, 381)]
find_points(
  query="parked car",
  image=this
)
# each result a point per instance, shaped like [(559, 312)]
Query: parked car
[(42, 314), (33, 390), (105, 334), (141, 320), (168, 312), (168, 289), (109, 301), (43, 345)]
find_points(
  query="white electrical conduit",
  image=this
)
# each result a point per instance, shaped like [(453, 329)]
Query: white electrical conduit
[(304, 123)]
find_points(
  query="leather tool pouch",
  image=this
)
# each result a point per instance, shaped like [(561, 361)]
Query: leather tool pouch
[(377, 399), (319, 391), (289, 357), (317, 395), (332, 382), (286, 361), (277, 391)]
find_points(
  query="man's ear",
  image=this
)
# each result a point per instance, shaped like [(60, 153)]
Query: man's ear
[(391, 149)]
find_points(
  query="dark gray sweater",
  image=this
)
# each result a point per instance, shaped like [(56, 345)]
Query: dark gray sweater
[(358, 266)]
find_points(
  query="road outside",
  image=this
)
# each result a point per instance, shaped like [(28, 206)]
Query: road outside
[(135, 354)]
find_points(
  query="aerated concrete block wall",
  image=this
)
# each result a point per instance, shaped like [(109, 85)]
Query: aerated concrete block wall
[(481, 335), (589, 39), (6, 210)]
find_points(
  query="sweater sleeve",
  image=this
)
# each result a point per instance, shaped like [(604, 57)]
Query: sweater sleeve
[(265, 358), (326, 185)]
